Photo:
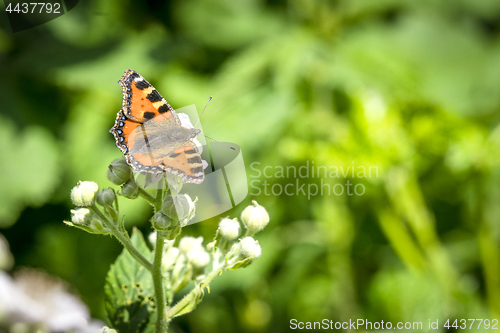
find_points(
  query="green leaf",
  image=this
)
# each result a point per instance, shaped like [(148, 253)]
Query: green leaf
[(25, 183), (241, 264), (129, 292), (194, 299)]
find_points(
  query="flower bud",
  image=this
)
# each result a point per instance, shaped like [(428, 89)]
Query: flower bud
[(81, 216), (163, 222), (106, 329), (229, 229), (189, 243), (211, 246), (84, 193), (250, 248), (152, 238), (199, 258), (130, 189), (234, 252), (254, 218), (170, 257), (106, 197), (119, 171), (174, 183), (84, 219), (173, 232), (179, 207)]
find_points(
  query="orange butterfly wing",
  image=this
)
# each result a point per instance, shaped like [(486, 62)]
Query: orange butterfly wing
[(142, 103), (184, 161)]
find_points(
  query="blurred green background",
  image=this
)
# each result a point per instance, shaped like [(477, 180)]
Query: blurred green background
[(409, 87)]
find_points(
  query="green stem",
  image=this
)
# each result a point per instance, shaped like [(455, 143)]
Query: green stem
[(220, 250), (124, 240), (149, 198), (161, 322), (248, 234), (193, 293)]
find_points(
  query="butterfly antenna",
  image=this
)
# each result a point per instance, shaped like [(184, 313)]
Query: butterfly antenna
[(209, 99), (206, 136)]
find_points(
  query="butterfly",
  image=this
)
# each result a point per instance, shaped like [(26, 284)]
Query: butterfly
[(151, 134)]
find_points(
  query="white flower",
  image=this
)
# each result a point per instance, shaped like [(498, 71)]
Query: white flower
[(189, 243), (250, 248), (80, 216), (193, 249), (170, 257), (84, 193), (198, 257), (35, 298), (211, 245), (229, 229), (106, 329), (254, 217), (152, 238)]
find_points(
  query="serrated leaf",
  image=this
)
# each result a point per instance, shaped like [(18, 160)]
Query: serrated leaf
[(129, 292)]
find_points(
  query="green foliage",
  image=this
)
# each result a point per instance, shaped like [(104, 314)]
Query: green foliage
[(409, 87), (129, 292), (29, 172)]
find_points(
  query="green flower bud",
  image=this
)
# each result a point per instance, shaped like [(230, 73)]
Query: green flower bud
[(174, 183), (229, 229), (199, 258), (168, 207), (130, 189), (106, 197), (254, 218), (81, 216), (106, 329), (171, 234), (84, 193), (163, 222), (179, 207), (119, 171), (250, 248)]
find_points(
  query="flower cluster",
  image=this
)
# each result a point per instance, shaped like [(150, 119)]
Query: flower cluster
[(190, 260), (242, 252), (172, 263), (84, 195)]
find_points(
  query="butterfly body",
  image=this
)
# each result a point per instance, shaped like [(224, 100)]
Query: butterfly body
[(151, 135)]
